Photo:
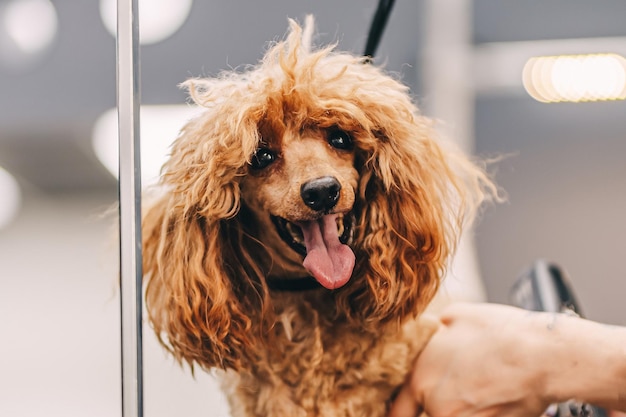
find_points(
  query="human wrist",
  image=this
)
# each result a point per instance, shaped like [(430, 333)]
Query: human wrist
[(584, 362), (545, 344)]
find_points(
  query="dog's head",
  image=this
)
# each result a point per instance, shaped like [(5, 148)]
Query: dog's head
[(311, 163)]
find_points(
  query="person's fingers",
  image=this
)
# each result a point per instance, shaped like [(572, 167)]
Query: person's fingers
[(405, 404)]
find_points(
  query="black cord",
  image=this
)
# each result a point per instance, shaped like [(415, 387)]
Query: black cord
[(378, 27)]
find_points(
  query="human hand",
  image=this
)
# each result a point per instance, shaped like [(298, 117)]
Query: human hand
[(484, 361)]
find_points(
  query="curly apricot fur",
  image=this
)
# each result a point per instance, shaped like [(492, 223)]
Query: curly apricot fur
[(210, 251)]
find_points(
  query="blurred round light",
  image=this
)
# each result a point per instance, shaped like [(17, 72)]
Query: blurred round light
[(11, 198), (158, 19), (160, 125), (575, 78), (27, 29)]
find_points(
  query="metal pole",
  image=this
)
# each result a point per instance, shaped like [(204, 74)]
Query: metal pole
[(130, 206)]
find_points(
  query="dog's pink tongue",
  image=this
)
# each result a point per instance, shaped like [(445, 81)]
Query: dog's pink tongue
[(327, 259)]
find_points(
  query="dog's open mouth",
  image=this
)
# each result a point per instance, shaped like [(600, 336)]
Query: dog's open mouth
[(291, 233), (324, 244)]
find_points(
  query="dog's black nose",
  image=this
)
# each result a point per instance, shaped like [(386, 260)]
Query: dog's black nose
[(321, 194)]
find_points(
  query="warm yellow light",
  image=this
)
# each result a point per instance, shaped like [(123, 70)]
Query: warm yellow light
[(575, 78)]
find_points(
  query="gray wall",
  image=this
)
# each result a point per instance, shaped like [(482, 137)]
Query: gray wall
[(565, 175)]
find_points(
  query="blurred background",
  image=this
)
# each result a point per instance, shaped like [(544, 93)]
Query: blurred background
[(541, 82)]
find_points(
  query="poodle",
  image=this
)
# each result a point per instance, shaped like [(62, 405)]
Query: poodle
[(305, 221)]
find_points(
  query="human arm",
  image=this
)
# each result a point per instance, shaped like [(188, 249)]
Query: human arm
[(592, 368), (493, 360)]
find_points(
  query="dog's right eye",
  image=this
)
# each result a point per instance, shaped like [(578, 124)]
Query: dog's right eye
[(262, 158)]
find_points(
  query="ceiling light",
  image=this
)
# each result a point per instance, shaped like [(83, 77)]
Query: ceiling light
[(27, 29), (158, 19), (160, 125), (496, 66), (11, 198), (575, 78)]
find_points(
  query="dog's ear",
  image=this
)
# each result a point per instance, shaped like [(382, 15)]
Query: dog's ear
[(192, 299), (414, 199)]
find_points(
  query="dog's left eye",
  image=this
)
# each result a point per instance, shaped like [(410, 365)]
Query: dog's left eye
[(339, 139), (262, 158)]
